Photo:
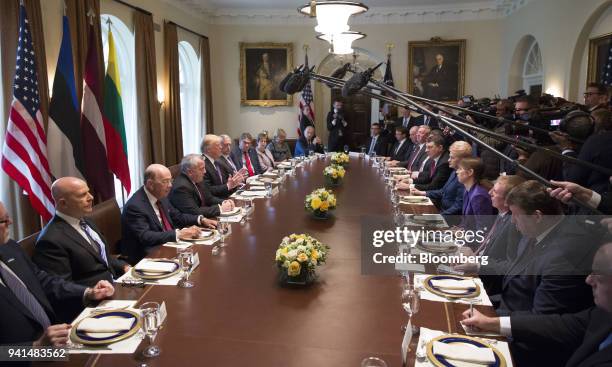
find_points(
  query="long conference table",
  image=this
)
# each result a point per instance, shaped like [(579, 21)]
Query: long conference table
[(238, 315)]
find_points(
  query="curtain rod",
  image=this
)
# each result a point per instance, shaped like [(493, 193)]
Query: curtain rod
[(187, 29), (133, 7)]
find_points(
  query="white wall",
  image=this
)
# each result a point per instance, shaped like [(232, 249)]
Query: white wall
[(482, 64), (558, 27)]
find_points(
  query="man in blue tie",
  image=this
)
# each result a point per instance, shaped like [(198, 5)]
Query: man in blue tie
[(582, 339), (377, 143), (30, 297)]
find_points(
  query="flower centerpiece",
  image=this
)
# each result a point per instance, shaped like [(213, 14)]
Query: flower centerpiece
[(297, 257), (320, 202), (334, 174), (341, 159)]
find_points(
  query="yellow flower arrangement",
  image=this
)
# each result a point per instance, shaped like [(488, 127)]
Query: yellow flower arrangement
[(340, 158), (334, 173), (320, 201), (298, 253)]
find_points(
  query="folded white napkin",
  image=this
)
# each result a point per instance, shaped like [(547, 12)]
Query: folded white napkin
[(155, 267), (253, 193), (453, 284), (464, 352), (105, 325)]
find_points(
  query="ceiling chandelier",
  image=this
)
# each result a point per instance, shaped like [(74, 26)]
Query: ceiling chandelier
[(332, 22)]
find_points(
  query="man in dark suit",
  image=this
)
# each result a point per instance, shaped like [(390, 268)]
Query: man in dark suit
[(598, 150), (501, 241), (406, 120), (436, 170), (228, 168), (553, 256), (188, 195), (582, 339), (28, 296), (337, 127), (376, 142), (596, 97), (70, 245), (148, 219), (220, 184), (308, 142), (449, 199), (399, 151), (416, 156), (244, 156)]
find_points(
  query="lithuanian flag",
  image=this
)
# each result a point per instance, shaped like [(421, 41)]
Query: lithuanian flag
[(116, 145)]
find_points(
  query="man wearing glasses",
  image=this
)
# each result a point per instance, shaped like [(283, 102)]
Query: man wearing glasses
[(596, 97), (148, 219)]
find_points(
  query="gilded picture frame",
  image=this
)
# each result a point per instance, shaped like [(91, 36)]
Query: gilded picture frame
[(598, 54), (262, 66), (436, 69)]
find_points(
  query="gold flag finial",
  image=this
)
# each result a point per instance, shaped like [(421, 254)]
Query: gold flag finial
[(91, 15), (389, 46)]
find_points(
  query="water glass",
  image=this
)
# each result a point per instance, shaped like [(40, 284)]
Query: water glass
[(363, 152), (186, 259), (150, 324), (325, 149), (410, 302), (268, 186), (373, 362), (346, 149)]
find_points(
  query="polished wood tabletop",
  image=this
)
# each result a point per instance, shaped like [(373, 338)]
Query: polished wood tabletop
[(238, 315)]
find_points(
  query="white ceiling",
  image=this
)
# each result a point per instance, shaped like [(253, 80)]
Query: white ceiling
[(292, 4)]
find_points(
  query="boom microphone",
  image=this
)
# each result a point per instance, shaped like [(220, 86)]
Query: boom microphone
[(358, 81), (340, 72), (283, 82), (296, 82)]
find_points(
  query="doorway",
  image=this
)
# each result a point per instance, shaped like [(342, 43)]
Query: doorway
[(357, 112)]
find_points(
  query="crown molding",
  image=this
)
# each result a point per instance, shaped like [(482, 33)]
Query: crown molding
[(472, 11)]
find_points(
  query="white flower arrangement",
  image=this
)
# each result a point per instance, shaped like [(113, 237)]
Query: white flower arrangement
[(300, 252)]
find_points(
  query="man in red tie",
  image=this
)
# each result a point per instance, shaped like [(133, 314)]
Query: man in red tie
[(244, 156), (149, 219), (436, 170)]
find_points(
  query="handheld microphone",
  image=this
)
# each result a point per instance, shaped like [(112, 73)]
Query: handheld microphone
[(358, 81)]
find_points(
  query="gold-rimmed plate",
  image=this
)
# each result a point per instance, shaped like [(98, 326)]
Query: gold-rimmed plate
[(87, 338), (234, 211), (471, 292), (438, 247), (440, 361), (157, 275)]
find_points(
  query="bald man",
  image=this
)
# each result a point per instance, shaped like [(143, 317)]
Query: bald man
[(581, 339), (70, 245), (148, 218)]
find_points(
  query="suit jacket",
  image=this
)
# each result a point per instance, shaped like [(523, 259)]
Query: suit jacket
[(477, 209), (450, 197), (216, 185), (185, 197), (63, 251), (226, 167), (550, 278), (570, 339), (18, 325), (236, 156), (141, 229), (598, 150), (302, 147), (401, 154), (381, 146), (501, 248), (414, 164), (425, 181), (337, 133)]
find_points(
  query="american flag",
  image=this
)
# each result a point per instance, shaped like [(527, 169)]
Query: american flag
[(606, 74), (24, 153), (306, 100)]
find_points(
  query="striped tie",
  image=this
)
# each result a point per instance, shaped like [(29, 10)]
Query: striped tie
[(94, 240), (25, 297)]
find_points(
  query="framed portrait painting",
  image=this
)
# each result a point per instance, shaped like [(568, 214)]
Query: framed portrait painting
[(436, 69), (262, 67), (599, 52)]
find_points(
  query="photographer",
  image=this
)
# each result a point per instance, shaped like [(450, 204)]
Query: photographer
[(337, 127), (526, 111)]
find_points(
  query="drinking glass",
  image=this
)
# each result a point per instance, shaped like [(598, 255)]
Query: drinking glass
[(186, 259), (363, 152), (373, 362), (410, 302), (325, 149), (150, 324), (268, 186), (346, 149)]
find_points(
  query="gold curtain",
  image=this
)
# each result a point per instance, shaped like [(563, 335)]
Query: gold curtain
[(173, 134), (206, 85), (77, 10), (27, 220), (146, 90)]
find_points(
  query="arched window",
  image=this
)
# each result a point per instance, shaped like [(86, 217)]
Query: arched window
[(533, 73), (125, 48), (189, 79)]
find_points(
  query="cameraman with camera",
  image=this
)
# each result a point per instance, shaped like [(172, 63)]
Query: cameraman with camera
[(337, 127)]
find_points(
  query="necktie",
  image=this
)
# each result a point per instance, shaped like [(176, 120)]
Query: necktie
[(26, 297), (199, 193), (399, 145), (414, 155), (231, 164), (405, 124), (606, 343), (489, 236), (218, 171), (432, 168), (94, 240), (247, 161), (164, 219), (372, 145)]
